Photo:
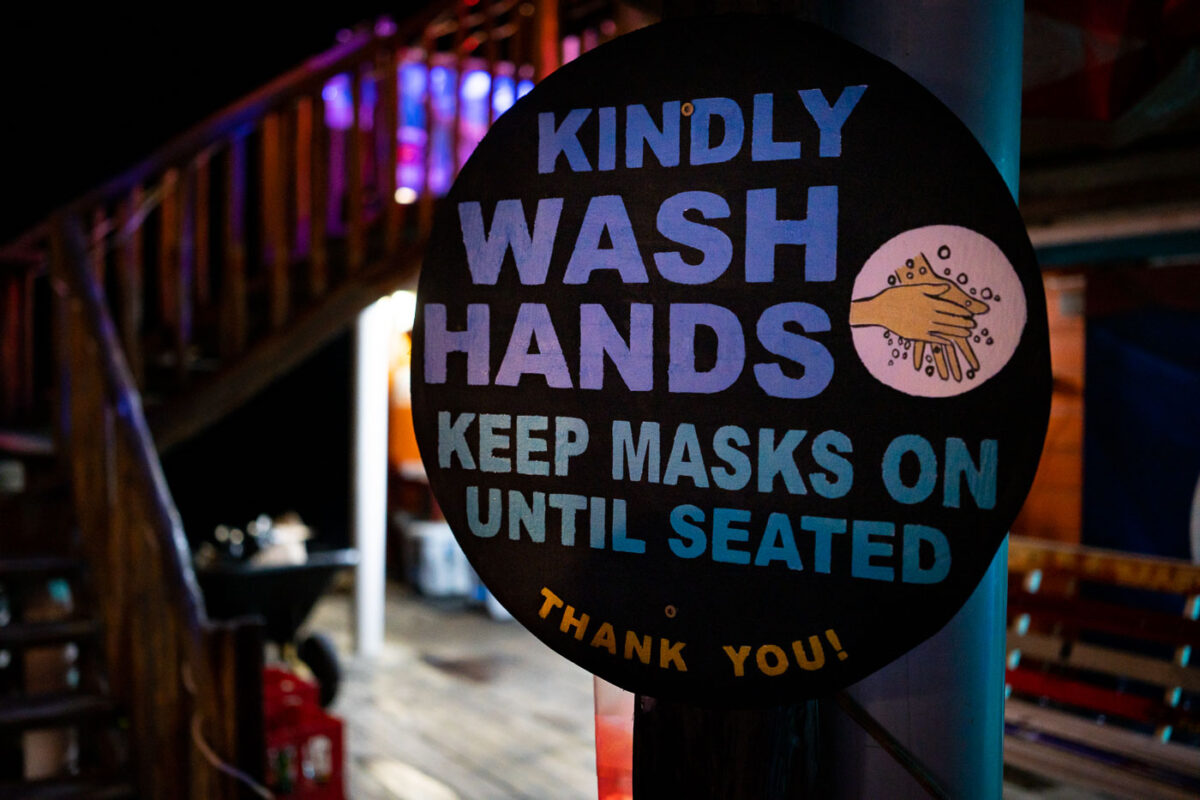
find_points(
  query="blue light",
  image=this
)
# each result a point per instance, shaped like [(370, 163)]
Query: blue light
[(475, 85), (412, 79), (441, 85), (504, 94), (1033, 581)]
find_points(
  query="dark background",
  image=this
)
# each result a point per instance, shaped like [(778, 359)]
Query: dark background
[(89, 94)]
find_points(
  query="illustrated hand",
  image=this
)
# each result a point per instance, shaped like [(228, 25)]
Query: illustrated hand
[(919, 312), (922, 313), (921, 274)]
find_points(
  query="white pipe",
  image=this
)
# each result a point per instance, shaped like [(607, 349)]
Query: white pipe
[(370, 474)]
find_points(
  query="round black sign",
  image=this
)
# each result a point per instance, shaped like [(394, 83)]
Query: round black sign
[(731, 366)]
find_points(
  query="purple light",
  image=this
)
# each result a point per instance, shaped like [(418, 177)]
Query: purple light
[(339, 113), (570, 48)]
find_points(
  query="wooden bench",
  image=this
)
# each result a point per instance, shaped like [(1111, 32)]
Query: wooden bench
[(1103, 671)]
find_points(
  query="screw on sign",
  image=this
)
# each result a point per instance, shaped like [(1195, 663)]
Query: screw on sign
[(730, 381)]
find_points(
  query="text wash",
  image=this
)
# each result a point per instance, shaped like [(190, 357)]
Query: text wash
[(605, 242)]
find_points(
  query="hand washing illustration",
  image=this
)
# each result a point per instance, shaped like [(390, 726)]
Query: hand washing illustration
[(936, 311)]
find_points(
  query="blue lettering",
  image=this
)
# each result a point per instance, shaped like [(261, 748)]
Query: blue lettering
[(523, 514), (831, 119), (738, 474), (703, 151), (778, 544), (817, 232), (826, 451), (712, 242), (689, 540), (452, 440), (484, 530), (641, 457), (682, 375), (474, 341), (570, 439), (606, 212), (779, 460), (777, 340), (527, 445), (606, 158), (685, 460), (724, 533), (912, 571), (534, 328), (981, 479), (490, 440), (864, 549), (824, 528), (561, 140), (569, 505), (486, 250), (763, 146), (598, 336), (640, 130), (927, 464), (622, 542)]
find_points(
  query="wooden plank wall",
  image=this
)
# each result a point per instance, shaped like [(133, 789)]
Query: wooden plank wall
[(1054, 509)]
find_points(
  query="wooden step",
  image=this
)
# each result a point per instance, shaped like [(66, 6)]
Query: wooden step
[(67, 789), (27, 443), (33, 634), (39, 567), (36, 521), (52, 710)]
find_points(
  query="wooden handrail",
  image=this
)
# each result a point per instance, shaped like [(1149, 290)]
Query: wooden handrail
[(1104, 566), (236, 232), (161, 648), (199, 275), (123, 395)]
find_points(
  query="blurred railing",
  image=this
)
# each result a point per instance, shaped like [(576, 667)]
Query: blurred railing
[(272, 222), (205, 271)]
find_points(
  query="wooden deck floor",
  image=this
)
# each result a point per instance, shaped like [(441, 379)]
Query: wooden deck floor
[(461, 707)]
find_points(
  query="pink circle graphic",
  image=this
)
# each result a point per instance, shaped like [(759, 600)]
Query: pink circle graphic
[(937, 311)]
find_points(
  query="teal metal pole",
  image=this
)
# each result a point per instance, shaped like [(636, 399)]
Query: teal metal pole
[(944, 700)]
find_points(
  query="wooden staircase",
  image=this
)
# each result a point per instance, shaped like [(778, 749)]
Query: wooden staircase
[(59, 722), (188, 284)]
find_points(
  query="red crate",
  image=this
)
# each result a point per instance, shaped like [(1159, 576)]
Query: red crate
[(283, 692), (305, 745)]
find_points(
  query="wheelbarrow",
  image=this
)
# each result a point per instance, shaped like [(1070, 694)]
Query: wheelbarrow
[(283, 595)]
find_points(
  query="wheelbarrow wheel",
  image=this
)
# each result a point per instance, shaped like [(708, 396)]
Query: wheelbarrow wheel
[(319, 654)]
